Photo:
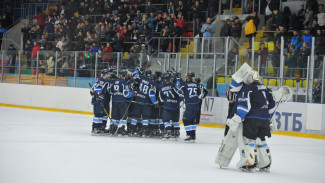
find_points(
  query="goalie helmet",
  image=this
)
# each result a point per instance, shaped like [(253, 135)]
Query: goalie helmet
[(251, 77)]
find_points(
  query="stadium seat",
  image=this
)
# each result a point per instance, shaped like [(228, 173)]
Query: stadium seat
[(289, 82), (230, 80), (270, 46), (272, 82), (221, 80), (264, 81), (304, 83)]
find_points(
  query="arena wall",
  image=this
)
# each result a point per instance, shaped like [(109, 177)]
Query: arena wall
[(291, 116)]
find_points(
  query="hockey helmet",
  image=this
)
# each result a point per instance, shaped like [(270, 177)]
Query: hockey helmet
[(123, 73), (167, 76), (147, 73), (198, 80), (190, 74), (104, 72)]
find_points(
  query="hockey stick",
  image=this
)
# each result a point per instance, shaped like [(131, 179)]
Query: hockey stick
[(126, 111), (100, 103)]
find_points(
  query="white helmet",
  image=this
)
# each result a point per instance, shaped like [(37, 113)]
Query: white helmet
[(251, 77)]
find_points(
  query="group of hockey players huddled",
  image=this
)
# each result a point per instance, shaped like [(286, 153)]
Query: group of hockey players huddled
[(250, 119), (145, 104)]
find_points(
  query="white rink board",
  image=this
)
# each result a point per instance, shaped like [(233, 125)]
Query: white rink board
[(291, 116), (57, 97)]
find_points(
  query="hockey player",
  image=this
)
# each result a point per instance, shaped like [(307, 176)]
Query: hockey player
[(145, 96), (120, 91), (192, 95), (100, 97), (155, 109), (254, 108), (204, 94), (170, 99)]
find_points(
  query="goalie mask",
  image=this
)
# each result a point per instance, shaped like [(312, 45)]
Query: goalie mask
[(251, 77)]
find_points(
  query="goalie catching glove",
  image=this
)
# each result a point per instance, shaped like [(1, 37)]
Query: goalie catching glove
[(234, 122)]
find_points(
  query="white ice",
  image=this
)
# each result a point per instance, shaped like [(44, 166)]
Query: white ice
[(50, 147)]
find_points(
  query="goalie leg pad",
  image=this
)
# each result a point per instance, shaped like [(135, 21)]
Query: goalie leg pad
[(248, 154), (227, 149), (263, 155)]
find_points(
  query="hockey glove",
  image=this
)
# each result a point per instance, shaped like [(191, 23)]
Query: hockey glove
[(234, 122), (100, 97)]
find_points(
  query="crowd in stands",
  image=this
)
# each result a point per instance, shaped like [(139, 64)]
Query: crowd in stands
[(296, 29), (83, 25)]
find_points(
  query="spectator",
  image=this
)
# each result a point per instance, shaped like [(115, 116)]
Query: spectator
[(276, 59), (296, 40), (12, 54), (307, 38), (232, 60), (286, 18), (270, 6), (236, 29), (40, 20), (271, 25), (292, 61), (176, 33), (226, 29), (321, 16), (180, 9), (309, 18), (317, 92), (319, 42), (102, 32), (2, 33), (180, 21), (170, 8), (28, 48), (60, 44), (197, 14), (208, 30), (49, 65), (43, 43), (118, 43), (283, 33), (263, 53), (300, 18), (304, 54), (313, 4), (66, 46), (35, 49), (149, 8), (252, 33), (25, 30), (165, 33), (314, 28), (107, 53), (50, 28), (151, 21)]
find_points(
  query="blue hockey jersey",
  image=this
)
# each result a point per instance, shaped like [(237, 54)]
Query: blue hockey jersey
[(190, 91), (101, 86), (169, 96), (255, 101), (120, 90), (146, 92)]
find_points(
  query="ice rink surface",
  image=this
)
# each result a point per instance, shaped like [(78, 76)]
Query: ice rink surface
[(50, 147)]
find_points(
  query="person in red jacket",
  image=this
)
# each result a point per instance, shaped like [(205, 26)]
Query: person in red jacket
[(107, 52), (40, 20), (180, 21), (263, 52), (35, 49)]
